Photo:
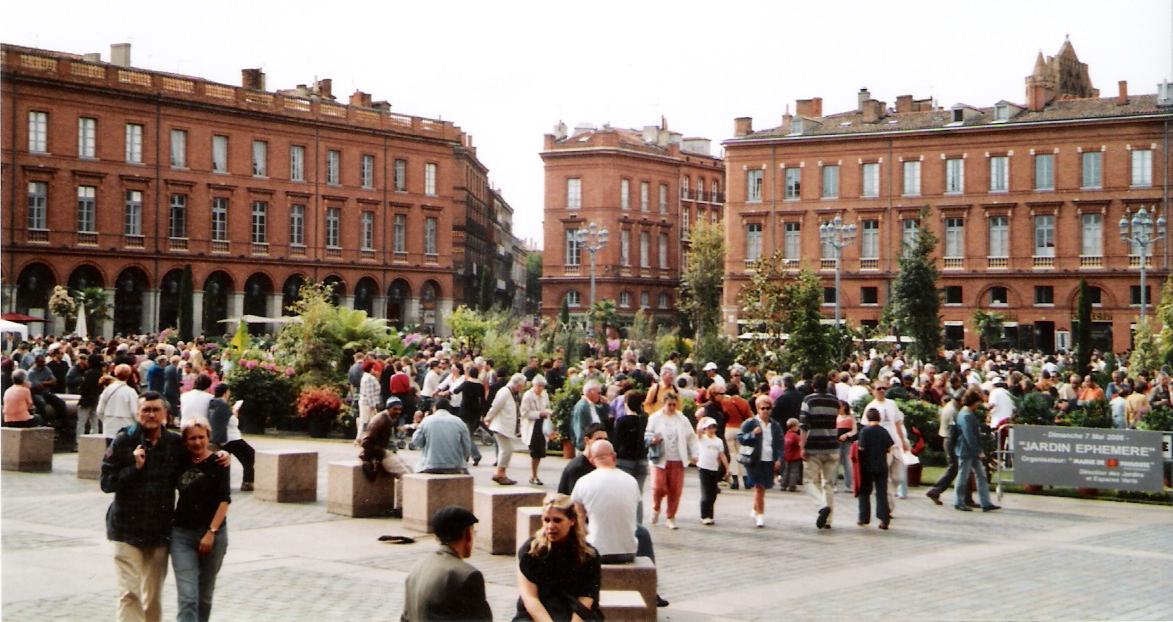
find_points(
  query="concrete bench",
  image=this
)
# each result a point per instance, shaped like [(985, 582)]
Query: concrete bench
[(91, 448), (350, 493), (496, 508), (424, 493), (526, 522), (624, 606), (286, 476), (639, 575), (27, 449)]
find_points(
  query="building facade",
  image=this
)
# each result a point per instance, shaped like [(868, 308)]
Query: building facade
[(646, 187), (1025, 199), (118, 177)]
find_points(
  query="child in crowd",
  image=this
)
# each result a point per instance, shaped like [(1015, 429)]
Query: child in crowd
[(710, 463), (874, 445), (792, 458)]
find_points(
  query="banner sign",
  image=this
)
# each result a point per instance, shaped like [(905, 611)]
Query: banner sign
[(1088, 458)]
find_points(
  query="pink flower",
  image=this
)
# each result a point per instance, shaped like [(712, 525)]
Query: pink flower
[(250, 364), (289, 371)]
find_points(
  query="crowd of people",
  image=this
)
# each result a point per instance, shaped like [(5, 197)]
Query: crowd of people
[(172, 431)]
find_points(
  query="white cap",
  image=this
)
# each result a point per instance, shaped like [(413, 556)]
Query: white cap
[(710, 366)]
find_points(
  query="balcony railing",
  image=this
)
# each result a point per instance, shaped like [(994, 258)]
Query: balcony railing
[(826, 264), (297, 250), (260, 248), (954, 263), (997, 262), (431, 259), (87, 238), (333, 252), (1045, 262), (220, 246), (177, 244), (790, 264), (367, 253), (872, 263), (1091, 261), (134, 241), (1134, 261), (41, 236)]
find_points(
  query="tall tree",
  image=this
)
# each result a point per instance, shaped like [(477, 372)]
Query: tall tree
[(915, 303), (1165, 314), (533, 281), (1083, 331), (485, 295), (186, 304), (703, 277), (778, 303)]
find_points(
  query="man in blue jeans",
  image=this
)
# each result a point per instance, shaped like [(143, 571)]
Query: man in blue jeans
[(970, 455)]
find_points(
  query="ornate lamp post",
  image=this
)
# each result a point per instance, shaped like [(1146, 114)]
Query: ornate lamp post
[(592, 239), (837, 235), (1140, 230)]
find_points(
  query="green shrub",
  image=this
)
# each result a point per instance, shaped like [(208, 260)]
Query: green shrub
[(1159, 419), (920, 418), (1034, 409), (267, 391), (561, 405), (1091, 415)]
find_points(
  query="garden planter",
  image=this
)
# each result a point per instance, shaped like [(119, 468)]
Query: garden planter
[(1032, 488), (319, 427), (914, 474), (567, 449), (1087, 492)]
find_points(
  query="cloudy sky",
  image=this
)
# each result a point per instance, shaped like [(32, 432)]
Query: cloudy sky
[(507, 72)]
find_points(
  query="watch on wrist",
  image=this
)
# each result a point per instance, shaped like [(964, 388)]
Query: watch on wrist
[(213, 531)]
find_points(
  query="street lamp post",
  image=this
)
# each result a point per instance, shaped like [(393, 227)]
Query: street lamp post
[(838, 235), (592, 239), (1140, 230)]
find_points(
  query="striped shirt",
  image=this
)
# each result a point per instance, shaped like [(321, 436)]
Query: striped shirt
[(818, 419)]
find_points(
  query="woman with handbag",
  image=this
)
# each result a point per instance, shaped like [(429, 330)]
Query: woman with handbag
[(535, 415), (761, 448), (672, 442), (558, 572)]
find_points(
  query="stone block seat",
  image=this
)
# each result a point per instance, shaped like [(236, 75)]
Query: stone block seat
[(496, 508), (526, 522), (624, 606), (91, 448), (350, 493), (639, 575), (424, 493), (286, 476), (27, 449)]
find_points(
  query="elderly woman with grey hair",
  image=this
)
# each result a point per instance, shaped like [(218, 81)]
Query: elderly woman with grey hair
[(535, 411), (505, 424)]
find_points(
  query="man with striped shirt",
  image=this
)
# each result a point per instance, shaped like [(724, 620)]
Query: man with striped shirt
[(820, 447)]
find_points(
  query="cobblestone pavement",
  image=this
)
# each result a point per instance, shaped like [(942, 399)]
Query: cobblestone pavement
[(1041, 558)]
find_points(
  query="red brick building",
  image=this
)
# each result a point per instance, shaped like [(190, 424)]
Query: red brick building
[(117, 177), (1025, 199), (646, 187)]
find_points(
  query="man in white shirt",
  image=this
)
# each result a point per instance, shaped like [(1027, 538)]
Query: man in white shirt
[(892, 420), (1000, 403), (608, 498), (194, 403)]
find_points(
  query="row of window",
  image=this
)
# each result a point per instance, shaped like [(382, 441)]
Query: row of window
[(1091, 176), (1091, 241), (574, 193), (664, 301), (87, 131), (997, 296), (574, 249), (177, 225)]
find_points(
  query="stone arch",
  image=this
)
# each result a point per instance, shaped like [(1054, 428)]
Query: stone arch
[(257, 291), (169, 298), (1013, 296), (339, 288), (365, 292), (290, 290), (218, 288), (34, 286), (129, 296), (1107, 300), (398, 295), (85, 276)]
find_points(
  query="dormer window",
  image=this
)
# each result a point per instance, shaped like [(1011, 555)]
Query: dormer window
[(796, 125), (1001, 112), (958, 115)]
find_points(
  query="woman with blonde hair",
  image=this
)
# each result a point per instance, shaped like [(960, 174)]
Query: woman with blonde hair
[(558, 572), (199, 536)]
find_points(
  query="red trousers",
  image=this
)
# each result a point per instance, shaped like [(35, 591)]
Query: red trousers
[(668, 482)]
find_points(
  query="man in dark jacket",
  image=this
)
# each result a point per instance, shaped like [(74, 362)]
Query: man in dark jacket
[(171, 385), (441, 585), (91, 390), (789, 403)]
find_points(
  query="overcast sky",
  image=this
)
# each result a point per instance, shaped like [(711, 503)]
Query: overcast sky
[(507, 72)]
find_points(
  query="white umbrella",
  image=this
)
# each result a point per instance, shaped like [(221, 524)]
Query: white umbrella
[(81, 330)]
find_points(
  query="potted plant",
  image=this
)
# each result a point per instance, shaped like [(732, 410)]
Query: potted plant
[(319, 407), (267, 391), (561, 406), (920, 419)]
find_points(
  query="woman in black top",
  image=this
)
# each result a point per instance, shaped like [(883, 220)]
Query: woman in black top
[(628, 438), (199, 536), (558, 573)]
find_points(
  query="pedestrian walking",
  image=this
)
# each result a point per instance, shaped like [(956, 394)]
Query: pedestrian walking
[(711, 462), (763, 437), (874, 445)]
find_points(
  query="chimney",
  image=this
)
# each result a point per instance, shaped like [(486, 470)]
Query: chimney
[(810, 108), (787, 121), (742, 126), (382, 105), (252, 79), (862, 97), (325, 88), (873, 110), (358, 98), (1122, 99), (92, 57), (120, 54), (903, 103)]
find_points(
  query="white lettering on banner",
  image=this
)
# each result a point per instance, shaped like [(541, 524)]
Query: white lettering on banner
[(1082, 457), (1113, 450)]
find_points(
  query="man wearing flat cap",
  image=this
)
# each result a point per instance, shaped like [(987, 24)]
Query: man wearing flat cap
[(441, 585)]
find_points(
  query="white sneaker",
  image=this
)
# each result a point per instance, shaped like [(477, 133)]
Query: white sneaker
[(655, 517), (707, 521), (670, 523), (759, 520)]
